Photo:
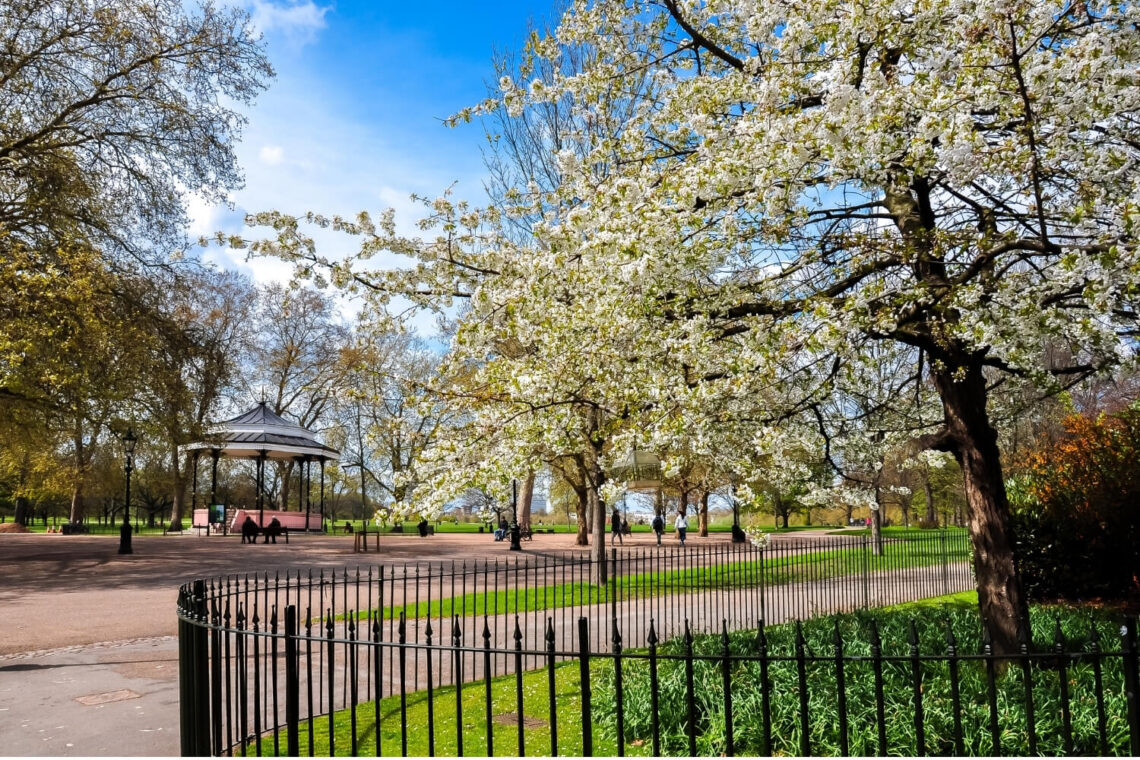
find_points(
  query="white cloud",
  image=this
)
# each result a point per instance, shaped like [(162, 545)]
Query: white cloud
[(203, 216), (298, 22), (272, 154)]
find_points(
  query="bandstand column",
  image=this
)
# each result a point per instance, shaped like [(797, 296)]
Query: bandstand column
[(261, 489), (214, 454), (306, 487), (322, 494), (194, 489)]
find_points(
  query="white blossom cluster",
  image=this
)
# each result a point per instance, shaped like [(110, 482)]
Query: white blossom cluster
[(828, 219)]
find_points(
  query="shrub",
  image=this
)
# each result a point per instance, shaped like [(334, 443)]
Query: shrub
[(898, 689), (1075, 510)]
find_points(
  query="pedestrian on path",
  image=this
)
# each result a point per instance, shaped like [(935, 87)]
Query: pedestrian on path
[(615, 526), (658, 526), (682, 525)]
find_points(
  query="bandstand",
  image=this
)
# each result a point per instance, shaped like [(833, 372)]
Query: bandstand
[(262, 436)]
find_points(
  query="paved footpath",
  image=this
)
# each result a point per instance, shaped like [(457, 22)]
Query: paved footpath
[(88, 654)]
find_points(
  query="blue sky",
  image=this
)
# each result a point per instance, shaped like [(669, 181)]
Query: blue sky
[(353, 119)]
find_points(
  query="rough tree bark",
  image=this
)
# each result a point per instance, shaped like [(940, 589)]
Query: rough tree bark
[(583, 524), (704, 514), (599, 571), (78, 507), (526, 496), (877, 523), (928, 489), (178, 501), (973, 441)]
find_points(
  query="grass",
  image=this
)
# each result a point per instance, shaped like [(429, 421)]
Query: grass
[(95, 529), (408, 723), (900, 531), (771, 571), (398, 724)]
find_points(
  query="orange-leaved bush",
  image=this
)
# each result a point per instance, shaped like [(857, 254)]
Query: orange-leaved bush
[(1076, 515)]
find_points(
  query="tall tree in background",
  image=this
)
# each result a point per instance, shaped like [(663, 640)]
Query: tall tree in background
[(72, 338), (110, 113), (201, 338), (297, 360)]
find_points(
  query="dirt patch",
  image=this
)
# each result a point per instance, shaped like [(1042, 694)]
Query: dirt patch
[(108, 696), (159, 671), (512, 719), (13, 528)]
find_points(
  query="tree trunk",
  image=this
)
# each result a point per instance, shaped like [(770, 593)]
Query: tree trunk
[(285, 471), (974, 443), (931, 518), (598, 569), (77, 505), (526, 496), (583, 524), (877, 532), (23, 510), (704, 514), (877, 524), (178, 501)]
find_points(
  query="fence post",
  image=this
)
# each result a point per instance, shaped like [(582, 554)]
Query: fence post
[(292, 684), (1132, 684), (945, 562), (201, 676), (801, 676), (185, 671), (550, 683), (654, 713), (584, 676), (866, 574), (216, 659), (690, 693)]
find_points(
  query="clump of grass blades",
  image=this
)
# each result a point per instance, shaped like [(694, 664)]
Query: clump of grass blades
[(822, 692)]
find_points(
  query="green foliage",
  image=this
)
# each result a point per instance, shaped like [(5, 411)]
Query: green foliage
[(822, 696), (1075, 515)]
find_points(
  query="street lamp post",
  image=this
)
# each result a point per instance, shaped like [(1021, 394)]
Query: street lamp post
[(515, 533), (129, 441)]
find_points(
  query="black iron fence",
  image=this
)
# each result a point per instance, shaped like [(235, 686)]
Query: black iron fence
[(529, 656)]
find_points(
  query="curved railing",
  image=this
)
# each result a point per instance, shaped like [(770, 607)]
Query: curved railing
[(528, 655)]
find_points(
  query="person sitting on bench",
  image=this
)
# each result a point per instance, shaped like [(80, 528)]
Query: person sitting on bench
[(249, 531), (501, 533), (273, 530)]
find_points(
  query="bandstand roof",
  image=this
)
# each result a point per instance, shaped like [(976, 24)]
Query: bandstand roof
[(261, 430)]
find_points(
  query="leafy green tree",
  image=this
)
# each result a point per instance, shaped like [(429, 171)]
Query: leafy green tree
[(110, 113)]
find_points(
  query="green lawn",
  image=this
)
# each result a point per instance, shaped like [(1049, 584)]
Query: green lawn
[(771, 571), (408, 722), (932, 617), (96, 529)]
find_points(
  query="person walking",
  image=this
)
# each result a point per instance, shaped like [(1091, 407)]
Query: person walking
[(658, 526), (682, 525), (615, 526)]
